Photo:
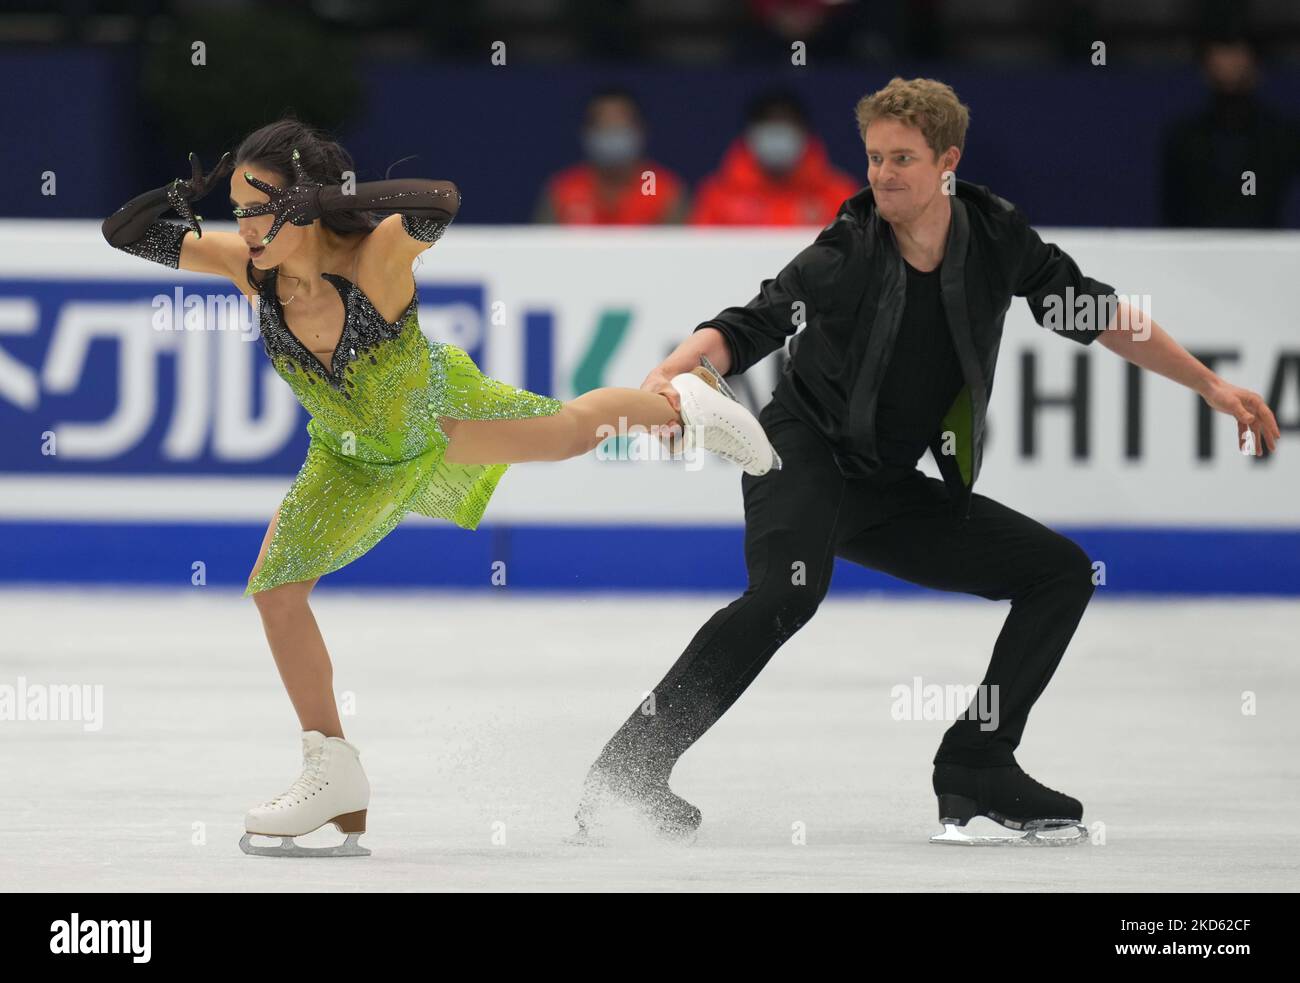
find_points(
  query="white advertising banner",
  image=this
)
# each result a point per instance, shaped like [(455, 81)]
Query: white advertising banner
[(1074, 436)]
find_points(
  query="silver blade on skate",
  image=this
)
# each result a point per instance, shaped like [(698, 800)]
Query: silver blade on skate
[(982, 831), (288, 848), (726, 391)]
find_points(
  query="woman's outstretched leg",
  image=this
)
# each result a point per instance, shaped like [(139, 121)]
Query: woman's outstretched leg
[(578, 428)]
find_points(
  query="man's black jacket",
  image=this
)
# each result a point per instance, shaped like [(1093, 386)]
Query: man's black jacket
[(850, 287)]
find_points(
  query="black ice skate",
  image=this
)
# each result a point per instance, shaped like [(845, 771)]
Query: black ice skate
[(1004, 807), (610, 795)]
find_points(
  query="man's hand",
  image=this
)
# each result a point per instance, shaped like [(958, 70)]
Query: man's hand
[(1248, 409), (709, 342), (658, 382)]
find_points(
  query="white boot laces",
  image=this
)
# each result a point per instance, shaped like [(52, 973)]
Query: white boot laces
[(309, 781)]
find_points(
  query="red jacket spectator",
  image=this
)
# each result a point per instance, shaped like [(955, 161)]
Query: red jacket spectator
[(575, 196), (741, 192)]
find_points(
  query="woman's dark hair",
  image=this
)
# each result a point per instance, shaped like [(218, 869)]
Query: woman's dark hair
[(323, 159)]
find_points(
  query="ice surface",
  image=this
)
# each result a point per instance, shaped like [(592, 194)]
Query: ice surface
[(478, 714)]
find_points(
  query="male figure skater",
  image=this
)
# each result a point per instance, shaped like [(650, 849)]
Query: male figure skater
[(903, 296)]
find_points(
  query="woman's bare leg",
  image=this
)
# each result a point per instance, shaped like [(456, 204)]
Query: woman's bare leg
[(298, 648), (291, 629), (573, 431)]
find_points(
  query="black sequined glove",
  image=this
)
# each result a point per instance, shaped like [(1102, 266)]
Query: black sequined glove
[(136, 228), (182, 194), (427, 207), (299, 204)]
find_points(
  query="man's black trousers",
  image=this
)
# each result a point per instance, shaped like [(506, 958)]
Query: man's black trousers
[(797, 520)]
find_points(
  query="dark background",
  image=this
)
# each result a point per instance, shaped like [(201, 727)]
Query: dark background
[(105, 95)]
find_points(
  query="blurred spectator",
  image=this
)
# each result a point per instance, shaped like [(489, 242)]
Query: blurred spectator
[(617, 184), (793, 20), (776, 173), (1206, 153), (829, 29)]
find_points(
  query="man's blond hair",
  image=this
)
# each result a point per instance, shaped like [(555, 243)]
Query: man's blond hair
[(927, 104)]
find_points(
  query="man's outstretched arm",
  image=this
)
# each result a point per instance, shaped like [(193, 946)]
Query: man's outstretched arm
[(1136, 337), (708, 342), (740, 336), (1046, 275)]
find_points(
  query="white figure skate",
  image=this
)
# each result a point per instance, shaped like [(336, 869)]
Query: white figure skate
[(713, 419), (331, 789)]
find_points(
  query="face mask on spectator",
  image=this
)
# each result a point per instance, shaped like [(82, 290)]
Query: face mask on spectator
[(776, 144), (609, 146)]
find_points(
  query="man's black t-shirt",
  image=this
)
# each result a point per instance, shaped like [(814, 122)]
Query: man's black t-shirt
[(923, 377), (921, 381), (851, 281)]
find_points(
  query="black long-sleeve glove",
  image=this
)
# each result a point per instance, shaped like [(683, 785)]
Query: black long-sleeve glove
[(136, 228), (427, 207)]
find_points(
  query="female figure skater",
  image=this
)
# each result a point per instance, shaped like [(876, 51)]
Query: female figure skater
[(398, 423)]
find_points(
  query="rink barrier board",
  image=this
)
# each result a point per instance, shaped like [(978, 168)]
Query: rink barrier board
[(577, 558), (91, 391)]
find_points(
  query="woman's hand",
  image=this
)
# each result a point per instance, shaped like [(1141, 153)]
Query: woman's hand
[(298, 204), (183, 193)]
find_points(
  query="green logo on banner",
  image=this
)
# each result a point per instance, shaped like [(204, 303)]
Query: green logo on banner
[(611, 327)]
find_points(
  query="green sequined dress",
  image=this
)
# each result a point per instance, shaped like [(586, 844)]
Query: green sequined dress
[(376, 450)]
